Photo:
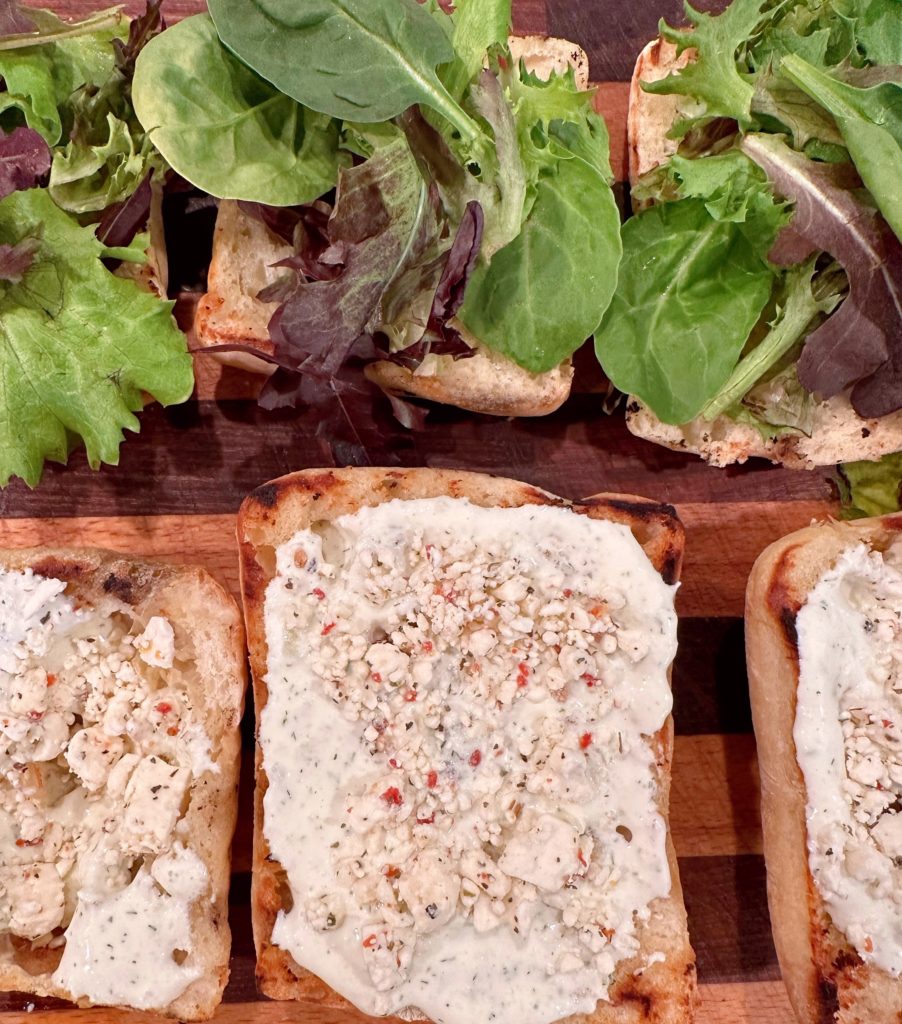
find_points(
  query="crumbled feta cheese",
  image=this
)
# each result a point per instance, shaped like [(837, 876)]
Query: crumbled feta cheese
[(156, 645)]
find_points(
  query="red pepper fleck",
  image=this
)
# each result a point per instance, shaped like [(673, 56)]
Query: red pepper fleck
[(869, 945), (393, 762), (51, 679), (568, 592), (327, 629), (427, 821), (410, 696), (523, 668), (163, 707), (319, 594), (393, 796), (173, 730), (475, 758), (427, 646), (521, 681), (35, 716), (887, 724), (376, 677), (581, 858), (589, 679), (391, 871), (432, 779), (370, 941), (585, 740), (29, 842)]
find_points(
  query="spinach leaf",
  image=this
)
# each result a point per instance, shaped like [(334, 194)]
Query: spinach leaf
[(546, 291), (224, 128), (871, 488), (870, 121), (798, 308), (79, 347), (713, 77), (691, 289), (361, 60)]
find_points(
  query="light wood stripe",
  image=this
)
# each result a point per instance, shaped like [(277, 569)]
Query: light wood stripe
[(722, 542)]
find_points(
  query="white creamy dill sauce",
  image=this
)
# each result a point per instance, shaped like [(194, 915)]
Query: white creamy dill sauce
[(460, 784), (848, 739), (98, 744)]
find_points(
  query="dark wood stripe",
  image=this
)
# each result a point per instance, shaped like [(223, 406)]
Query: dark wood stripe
[(729, 924), (710, 687), (203, 457), (613, 32)]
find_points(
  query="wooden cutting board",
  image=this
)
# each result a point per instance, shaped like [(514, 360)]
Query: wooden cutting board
[(179, 483)]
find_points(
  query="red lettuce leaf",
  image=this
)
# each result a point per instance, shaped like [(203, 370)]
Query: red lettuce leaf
[(440, 338), (14, 19), (16, 259), (122, 221), (140, 31), (25, 160), (860, 345)]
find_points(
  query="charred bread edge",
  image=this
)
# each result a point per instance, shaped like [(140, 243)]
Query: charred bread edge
[(135, 585), (272, 514), (820, 968)]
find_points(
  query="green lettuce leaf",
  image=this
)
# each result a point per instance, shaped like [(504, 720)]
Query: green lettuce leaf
[(871, 488), (478, 26), (40, 80), (79, 347), (870, 121), (879, 31), (691, 289), (713, 78)]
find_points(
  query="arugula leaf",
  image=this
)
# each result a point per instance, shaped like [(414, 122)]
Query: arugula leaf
[(224, 128), (691, 289), (870, 121), (860, 342), (797, 309), (78, 346), (546, 291), (872, 488), (362, 60), (24, 160), (713, 78), (478, 26)]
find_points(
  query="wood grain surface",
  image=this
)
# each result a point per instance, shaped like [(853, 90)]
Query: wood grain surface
[(179, 483)]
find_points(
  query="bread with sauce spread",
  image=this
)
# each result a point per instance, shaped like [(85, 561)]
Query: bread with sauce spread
[(838, 433), (243, 263), (658, 983), (122, 685), (827, 977)]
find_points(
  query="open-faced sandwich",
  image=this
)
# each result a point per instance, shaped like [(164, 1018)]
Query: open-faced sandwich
[(121, 689), (824, 636), (434, 199), (464, 748), (759, 305)]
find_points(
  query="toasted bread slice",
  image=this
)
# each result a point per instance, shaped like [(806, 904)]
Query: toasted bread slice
[(658, 984), (826, 978), (839, 433), (198, 685), (244, 251)]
